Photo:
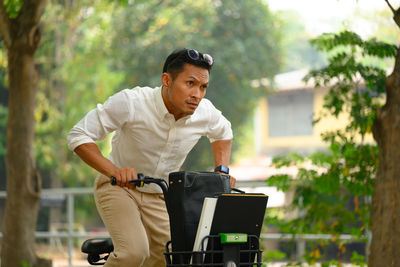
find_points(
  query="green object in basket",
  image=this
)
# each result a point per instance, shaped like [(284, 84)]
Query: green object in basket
[(233, 238)]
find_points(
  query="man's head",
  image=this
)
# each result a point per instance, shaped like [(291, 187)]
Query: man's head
[(185, 81)]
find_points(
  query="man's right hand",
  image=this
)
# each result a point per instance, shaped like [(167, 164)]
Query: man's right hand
[(91, 154), (123, 175)]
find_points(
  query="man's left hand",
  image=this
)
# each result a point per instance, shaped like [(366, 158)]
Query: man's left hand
[(232, 179)]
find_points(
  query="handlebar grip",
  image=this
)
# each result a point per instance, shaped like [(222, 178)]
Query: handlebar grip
[(139, 181)]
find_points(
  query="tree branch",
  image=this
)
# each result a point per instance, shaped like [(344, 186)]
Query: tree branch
[(28, 21), (32, 11), (390, 6), (396, 13), (4, 25)]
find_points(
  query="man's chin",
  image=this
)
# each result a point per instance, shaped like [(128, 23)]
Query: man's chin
[(190, 111)]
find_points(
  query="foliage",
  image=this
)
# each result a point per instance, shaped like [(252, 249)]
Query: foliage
[(25, 263), (333, 189), (273, 255), (13, 7), (76, 75), (358, 259), (359, 86)]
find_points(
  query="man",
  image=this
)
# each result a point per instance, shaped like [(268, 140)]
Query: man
[(155, 129)]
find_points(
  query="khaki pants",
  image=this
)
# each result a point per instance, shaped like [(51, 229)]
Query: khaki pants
[(138, 224)]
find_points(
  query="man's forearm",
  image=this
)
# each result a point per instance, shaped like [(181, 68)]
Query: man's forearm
[(91, 155), (222, 154), (221, 151)]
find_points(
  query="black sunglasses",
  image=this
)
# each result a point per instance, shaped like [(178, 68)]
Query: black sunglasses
[(195, 55)]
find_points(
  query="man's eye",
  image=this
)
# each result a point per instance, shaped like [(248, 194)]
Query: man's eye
[(190, 82)]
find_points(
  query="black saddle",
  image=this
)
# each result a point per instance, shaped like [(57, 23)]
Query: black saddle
[(95, 247)]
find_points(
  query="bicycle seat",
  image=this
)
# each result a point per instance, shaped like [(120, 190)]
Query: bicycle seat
[(97, 246)]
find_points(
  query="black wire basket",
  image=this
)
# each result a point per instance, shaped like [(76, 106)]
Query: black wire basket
[(213, 253)]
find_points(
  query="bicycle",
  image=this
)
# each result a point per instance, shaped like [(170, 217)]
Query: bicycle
[(223, 249)]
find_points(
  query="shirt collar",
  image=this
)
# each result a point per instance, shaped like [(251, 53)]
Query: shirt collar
[(161, 108)]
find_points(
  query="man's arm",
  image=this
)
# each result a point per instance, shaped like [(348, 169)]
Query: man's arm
[(222, 153), (91, 155)]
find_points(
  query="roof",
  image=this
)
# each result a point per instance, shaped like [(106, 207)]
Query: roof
[(292, 80)]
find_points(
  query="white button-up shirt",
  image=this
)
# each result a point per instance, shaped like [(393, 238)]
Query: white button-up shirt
[(147, 137)]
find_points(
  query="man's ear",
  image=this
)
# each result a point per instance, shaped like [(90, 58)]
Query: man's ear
[(166, 80)]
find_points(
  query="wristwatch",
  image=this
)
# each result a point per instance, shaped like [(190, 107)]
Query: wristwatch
[(222, 168)]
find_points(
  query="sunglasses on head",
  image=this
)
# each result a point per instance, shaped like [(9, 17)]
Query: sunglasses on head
[(195, 55)]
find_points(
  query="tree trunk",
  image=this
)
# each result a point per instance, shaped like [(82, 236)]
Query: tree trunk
[(385, 245), (23, 183), (22, 37)]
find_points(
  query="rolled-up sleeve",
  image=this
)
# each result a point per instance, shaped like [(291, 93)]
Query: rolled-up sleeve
[(219, 127), (100, 121)]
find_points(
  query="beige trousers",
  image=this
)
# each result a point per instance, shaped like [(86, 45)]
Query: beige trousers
[(138, 224)]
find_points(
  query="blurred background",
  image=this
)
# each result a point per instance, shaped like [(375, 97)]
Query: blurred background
[(282, 125)]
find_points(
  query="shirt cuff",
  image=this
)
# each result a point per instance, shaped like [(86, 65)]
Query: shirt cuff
[(79, 141), (226, 137)]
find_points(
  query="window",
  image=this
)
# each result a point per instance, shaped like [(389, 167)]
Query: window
[(290, 113)]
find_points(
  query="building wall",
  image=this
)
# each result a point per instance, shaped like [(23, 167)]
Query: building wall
[(291, 105)]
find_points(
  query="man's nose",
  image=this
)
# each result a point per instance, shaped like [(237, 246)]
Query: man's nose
[(197, 93)]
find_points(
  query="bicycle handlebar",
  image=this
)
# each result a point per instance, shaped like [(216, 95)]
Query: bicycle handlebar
[(142, 180)]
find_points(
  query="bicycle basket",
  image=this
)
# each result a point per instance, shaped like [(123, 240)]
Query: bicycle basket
[(214, 254)]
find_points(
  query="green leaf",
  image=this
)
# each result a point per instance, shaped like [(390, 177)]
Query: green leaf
[(281, 182), (13, 7)]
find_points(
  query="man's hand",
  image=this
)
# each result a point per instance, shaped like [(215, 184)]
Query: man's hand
[(232, 181), (123, 175), (91, 154)]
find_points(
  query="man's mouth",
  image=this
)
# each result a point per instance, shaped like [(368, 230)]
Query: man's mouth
[(192, 105)]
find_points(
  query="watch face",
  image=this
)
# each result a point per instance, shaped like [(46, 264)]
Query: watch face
[(222, 168)]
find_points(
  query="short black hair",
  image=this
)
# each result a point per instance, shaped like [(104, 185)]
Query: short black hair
[(175, 62)]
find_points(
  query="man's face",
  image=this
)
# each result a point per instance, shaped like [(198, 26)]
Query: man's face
[(183, 94)]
